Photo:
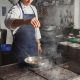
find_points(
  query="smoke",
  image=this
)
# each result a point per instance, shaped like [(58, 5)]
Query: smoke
[(45, 64)]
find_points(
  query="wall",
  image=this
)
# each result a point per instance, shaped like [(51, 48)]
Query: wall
[(77, 14), (2, 25), (56, 13)]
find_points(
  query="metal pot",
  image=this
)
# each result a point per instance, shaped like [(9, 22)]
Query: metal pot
[(33, 61), (38, 61)]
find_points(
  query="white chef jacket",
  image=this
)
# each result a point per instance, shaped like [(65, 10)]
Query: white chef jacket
[(16, 13)]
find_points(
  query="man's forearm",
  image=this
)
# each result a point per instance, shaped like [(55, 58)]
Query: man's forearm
[(38, 42), (39, 46), (18, 22)]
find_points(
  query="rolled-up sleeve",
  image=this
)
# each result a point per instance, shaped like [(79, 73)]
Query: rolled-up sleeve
[(37, 30), (14, 13)]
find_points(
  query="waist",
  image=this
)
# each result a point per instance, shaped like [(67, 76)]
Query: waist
[(21, 27)]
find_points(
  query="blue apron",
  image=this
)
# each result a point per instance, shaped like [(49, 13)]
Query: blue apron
[(24, 40)]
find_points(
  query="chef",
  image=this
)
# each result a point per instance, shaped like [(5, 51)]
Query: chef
[(22, 18)]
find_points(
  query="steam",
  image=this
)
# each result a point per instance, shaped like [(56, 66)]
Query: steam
[(45, 65)]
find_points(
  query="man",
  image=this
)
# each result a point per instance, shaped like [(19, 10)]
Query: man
[(23, 20)]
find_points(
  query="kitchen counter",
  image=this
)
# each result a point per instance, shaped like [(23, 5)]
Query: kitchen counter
[(57, 73), (70, 51), (12, 72)]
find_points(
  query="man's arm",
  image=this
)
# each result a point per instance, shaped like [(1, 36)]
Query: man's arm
[(39, 46), (18, 22)]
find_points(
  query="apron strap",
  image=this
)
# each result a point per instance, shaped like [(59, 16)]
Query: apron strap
[(22, 8), (32, 9)]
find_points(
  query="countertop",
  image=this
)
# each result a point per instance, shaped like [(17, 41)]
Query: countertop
[(12, 72)]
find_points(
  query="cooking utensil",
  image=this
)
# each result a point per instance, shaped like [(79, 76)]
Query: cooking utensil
[(33, 60), (38, 62)]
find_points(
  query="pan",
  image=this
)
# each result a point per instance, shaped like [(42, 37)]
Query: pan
[(35, 61), (39, 62)]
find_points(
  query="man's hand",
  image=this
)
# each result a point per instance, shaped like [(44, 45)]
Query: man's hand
[(35, 22)]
